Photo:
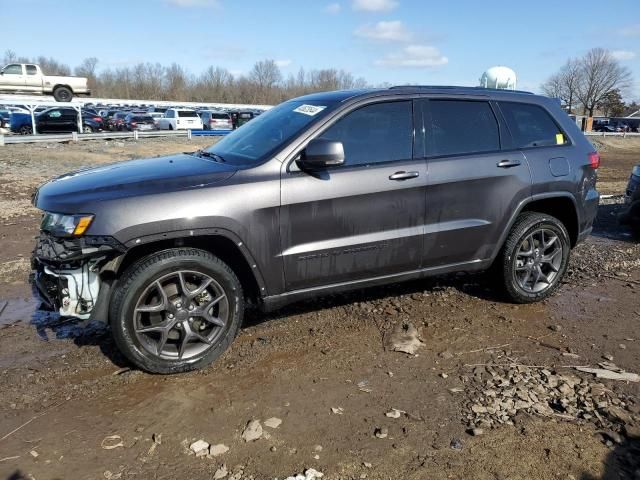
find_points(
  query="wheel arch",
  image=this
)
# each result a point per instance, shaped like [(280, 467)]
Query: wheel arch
[(561, 205), (224, 245), (61, 85)]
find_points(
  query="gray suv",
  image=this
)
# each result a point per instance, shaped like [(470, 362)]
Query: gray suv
[(320, 194)]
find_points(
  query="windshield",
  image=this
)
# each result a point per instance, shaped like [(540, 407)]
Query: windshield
[(269, 131)]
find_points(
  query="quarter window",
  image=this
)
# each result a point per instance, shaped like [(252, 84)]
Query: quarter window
[(531, 125), (377, 133), (455, 127)]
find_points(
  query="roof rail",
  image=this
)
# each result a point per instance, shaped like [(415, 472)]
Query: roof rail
[(453, 87)]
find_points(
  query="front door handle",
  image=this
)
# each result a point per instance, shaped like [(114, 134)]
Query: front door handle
[(404, 175), (508, 163)]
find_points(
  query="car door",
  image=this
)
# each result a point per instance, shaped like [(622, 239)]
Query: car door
[(49, 121), (362, 219), (32, 81), (474, 183), (12, 77)]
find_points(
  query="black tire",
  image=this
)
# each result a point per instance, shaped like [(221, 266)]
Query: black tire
[(87, 129), (136, 281), (508, 263), (26, 130), (63, 94), (170, 127)]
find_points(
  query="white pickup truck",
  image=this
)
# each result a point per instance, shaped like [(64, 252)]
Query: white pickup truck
[(180, 119), (28, 78)]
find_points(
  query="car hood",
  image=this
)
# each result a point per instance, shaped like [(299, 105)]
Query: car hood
[(73, 192)]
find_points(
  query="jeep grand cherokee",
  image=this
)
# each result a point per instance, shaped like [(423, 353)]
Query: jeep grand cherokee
[(323, 193)]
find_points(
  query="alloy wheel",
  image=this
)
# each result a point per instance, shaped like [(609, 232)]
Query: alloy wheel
[(538, 260), (181, 315)]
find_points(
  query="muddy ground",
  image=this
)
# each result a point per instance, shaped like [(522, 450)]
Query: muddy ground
[(68, 397)]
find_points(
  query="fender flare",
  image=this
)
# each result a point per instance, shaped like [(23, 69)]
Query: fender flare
[(520, 208), (204, 232)]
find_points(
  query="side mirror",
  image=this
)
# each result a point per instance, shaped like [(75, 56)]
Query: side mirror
[(320, 154)]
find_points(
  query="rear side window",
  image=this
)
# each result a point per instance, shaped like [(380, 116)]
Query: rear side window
[(377, 133), (531, 125), (456, 127), (31, 70), (187, 113)]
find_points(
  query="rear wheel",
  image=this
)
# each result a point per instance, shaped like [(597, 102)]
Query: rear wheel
[(26, 130), (176, 310), (87, 129), (62, 94), (534, 258)]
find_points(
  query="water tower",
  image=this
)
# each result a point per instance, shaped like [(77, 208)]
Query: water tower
[(499, 77)]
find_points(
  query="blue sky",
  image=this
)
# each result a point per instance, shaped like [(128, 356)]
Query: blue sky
[(395, 41)]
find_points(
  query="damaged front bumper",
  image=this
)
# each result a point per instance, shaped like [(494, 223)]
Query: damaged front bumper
[(69, 272)]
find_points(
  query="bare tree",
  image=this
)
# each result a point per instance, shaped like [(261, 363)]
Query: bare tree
[(50, 66), (266, 74), (9, 57), (88, 69), (564, 84), (600, 73)]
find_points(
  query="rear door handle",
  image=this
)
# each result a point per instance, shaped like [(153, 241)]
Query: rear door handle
[(404, 175), (508, 163)]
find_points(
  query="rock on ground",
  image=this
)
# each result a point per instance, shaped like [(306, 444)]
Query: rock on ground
[(200, 448), (216, 450), (272, 422), (405, 339), (253, 431)]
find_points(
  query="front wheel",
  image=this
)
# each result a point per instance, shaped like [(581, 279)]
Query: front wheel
[(176, 310), (26, 130), (534, 258)]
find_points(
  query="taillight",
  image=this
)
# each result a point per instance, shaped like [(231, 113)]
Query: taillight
[(97, 119), (133, 124), (594, 160)]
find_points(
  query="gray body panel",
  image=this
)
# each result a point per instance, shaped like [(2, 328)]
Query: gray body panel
[(348, 226)]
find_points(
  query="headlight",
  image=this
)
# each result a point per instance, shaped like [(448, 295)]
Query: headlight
[(636, 171), (60, 224)]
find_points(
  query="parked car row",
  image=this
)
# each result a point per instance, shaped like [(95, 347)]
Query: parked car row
[(614, 127), (55, 120), (96, 118)]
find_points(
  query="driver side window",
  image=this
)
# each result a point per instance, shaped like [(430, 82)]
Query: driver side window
[(15, 69), (382, 132)]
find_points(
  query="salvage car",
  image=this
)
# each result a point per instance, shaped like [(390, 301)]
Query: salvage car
[(137, 121), (28, 78), (631, 215), (212, 120), (55, 120), (180, 119), (321, 194)]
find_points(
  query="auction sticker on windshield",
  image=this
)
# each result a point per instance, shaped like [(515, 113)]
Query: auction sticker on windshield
[(310, 110)]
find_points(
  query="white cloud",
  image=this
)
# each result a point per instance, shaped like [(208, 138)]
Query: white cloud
[(333, 8), (375, 5), (623, 55), (391, 31), (283, 63), (414, 56), (631, 31), (194, 3)]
